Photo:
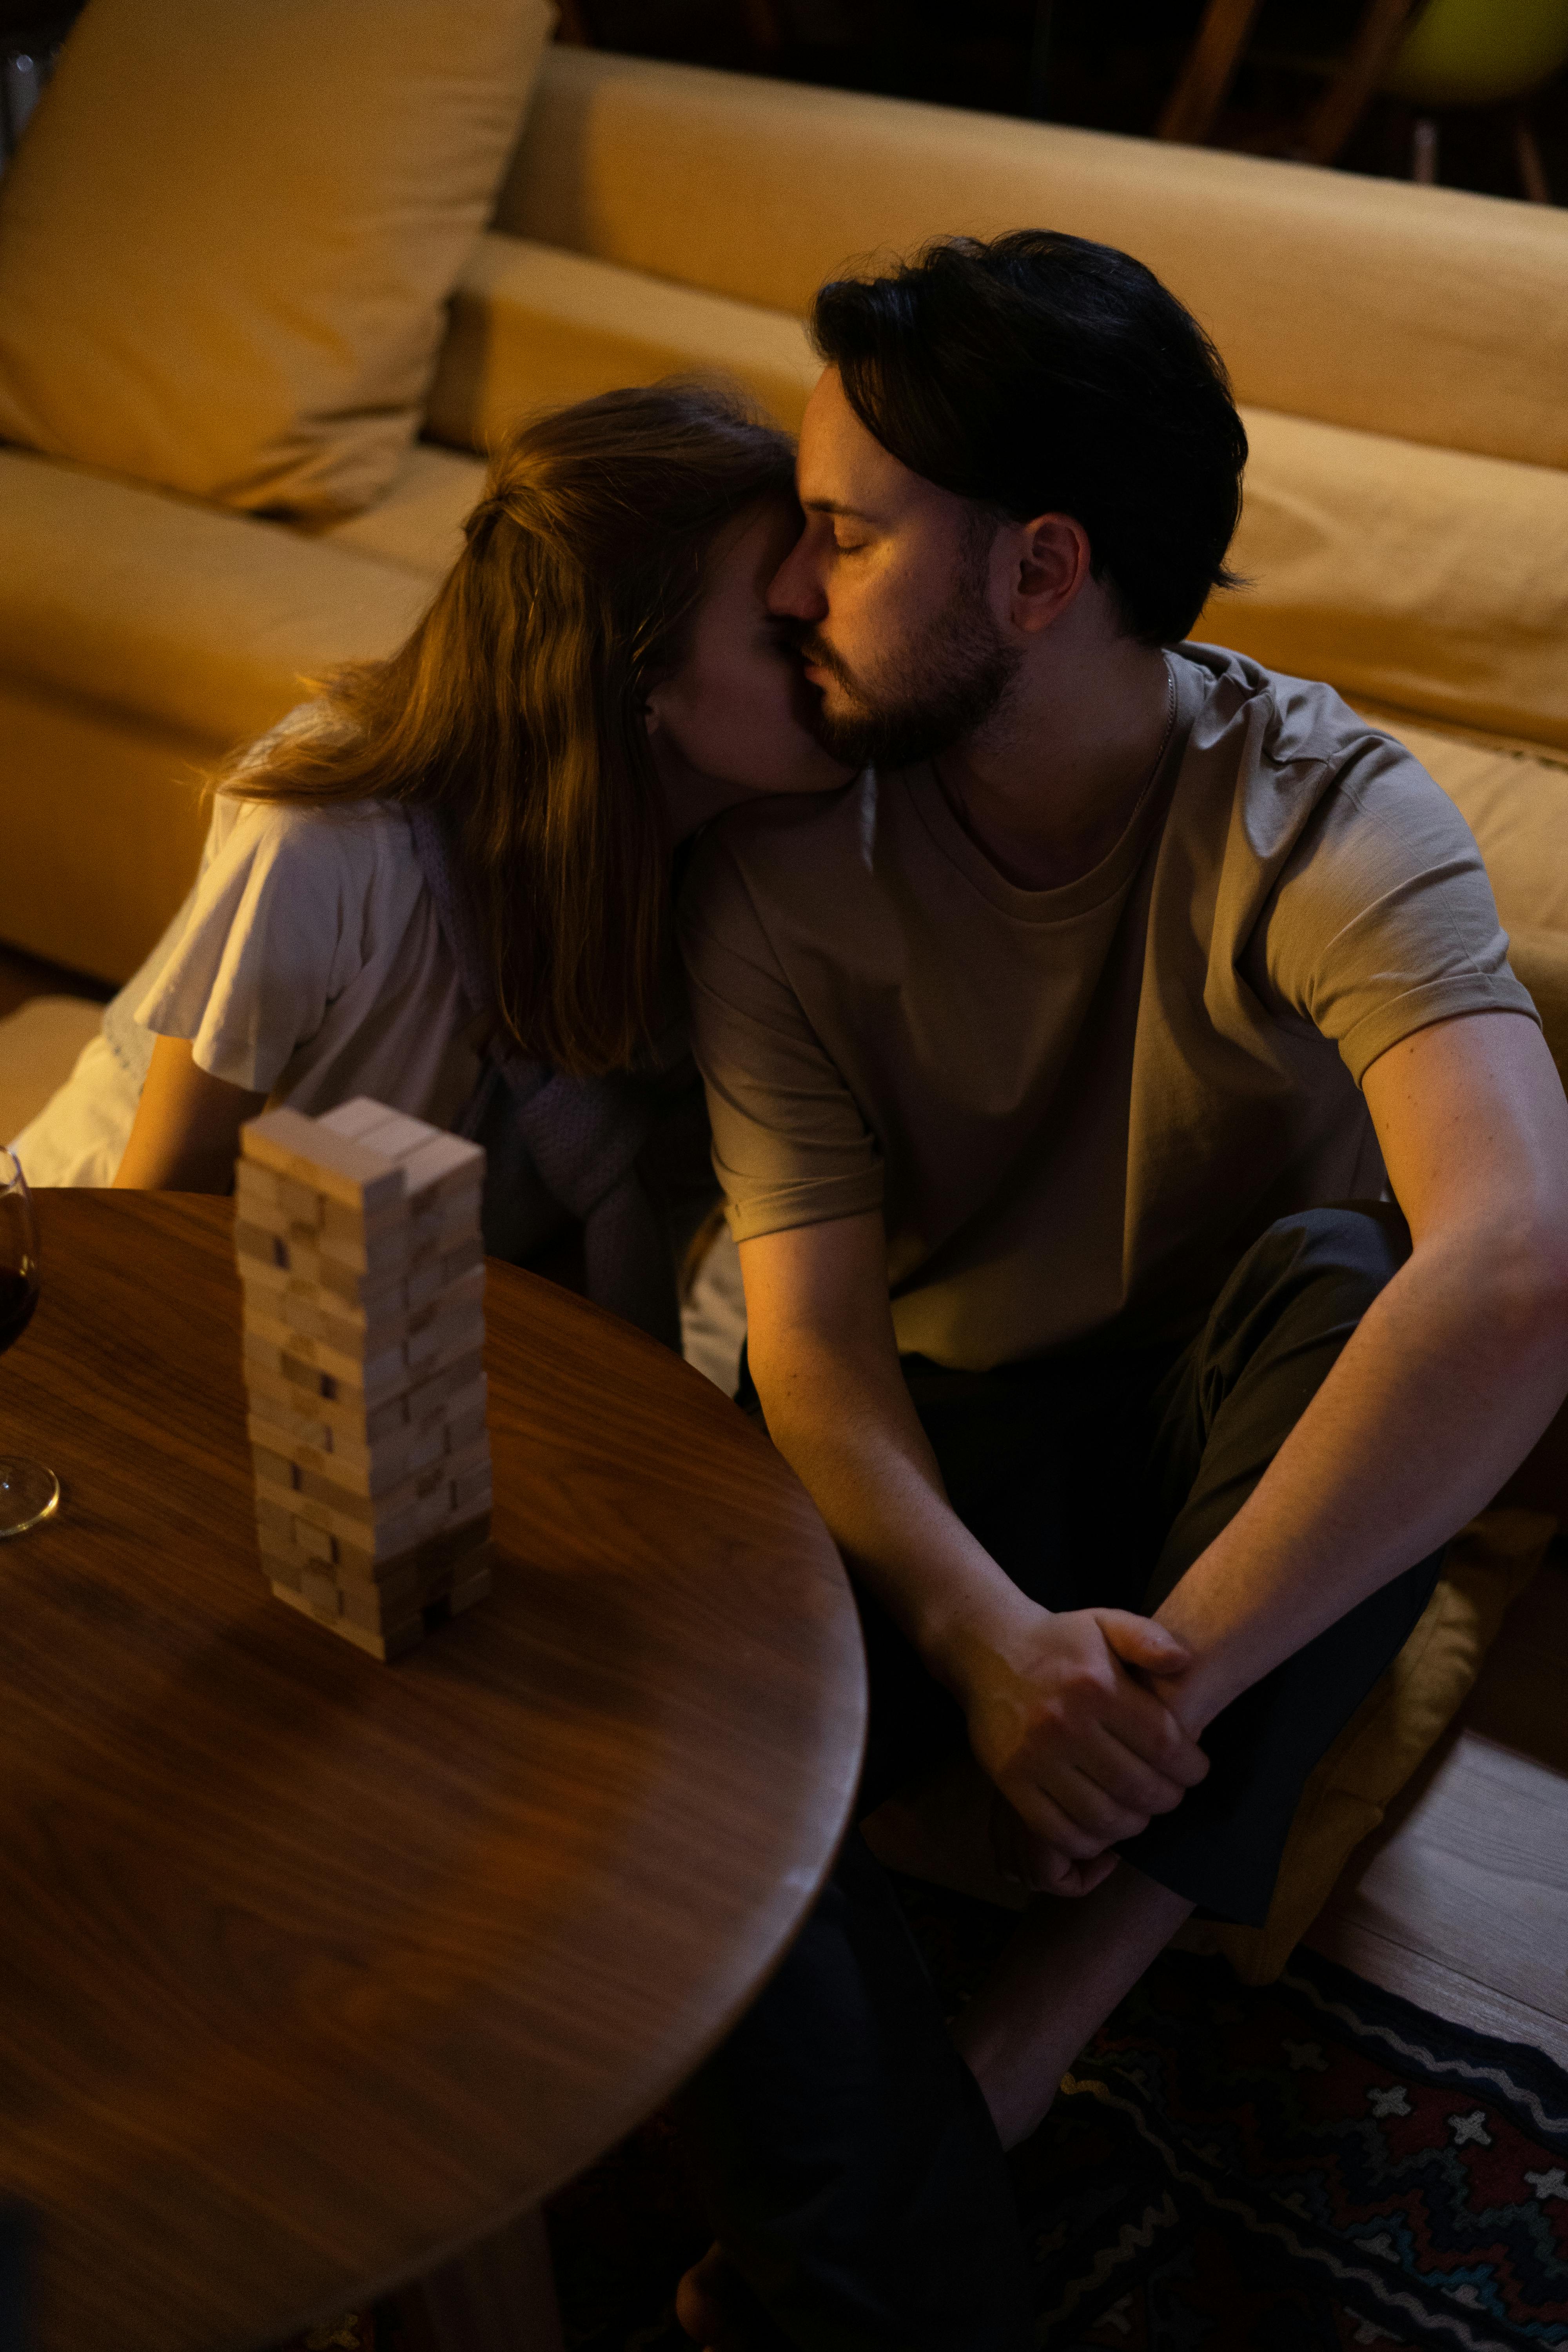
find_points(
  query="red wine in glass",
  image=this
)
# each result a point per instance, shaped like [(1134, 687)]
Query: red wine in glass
[(18, 1297), (28, 1492)]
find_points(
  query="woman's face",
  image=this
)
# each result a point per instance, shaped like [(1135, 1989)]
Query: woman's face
[(734, 719)]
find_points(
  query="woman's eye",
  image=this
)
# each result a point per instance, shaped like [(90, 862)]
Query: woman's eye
[(846, 546)]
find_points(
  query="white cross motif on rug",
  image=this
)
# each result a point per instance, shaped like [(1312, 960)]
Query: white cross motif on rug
[(1470, 2130), (1389, 2103)]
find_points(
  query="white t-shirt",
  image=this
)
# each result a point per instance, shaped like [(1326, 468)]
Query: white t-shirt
[(311, 968)]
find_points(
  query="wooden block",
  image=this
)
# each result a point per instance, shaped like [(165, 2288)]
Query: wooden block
[(394, 1135), (446, 1337), (363, 1605), (465, 1425), (373, 1377), (425, 1282), (356, 1118), (370, 1471), (298, 1310), (257, 1242), (318, 1589), (255, 1184), (463, 1259), (308, 1152), (472, 1491), (284, 1426), (393, 1643), (312, 1540), (446, 1166), (435, 1389), (381, 1539), (358, 1293), (275, 1397), (300, 1202), (265, 1285), (276, 1468)]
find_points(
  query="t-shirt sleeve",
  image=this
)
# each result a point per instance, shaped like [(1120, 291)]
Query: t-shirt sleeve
[(1383, 920), (790, 1144), (275, 934)]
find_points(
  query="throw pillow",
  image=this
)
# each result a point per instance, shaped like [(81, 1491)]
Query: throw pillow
[(227, 237)]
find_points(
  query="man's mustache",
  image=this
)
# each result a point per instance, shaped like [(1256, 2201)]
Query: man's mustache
[(811, 648)]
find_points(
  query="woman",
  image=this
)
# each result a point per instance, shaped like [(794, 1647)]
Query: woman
[(445, 882)]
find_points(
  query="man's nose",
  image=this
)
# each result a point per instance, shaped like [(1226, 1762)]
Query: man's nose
[(795, 591)]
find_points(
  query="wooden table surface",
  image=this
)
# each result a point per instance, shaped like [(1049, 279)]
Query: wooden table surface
[(311, 1970)]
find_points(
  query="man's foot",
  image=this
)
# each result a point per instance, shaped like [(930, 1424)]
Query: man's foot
[(712, 2305)]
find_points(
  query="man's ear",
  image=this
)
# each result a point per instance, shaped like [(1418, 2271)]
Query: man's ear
[(1051, 560)]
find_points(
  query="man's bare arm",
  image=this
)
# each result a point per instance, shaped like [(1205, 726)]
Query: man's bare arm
[(1079, 1749), (186, 1134), (1446, 1385)]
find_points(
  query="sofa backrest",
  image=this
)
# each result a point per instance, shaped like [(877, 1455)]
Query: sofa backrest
[(1423, 313)]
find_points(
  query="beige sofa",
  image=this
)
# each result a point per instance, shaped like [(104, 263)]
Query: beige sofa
[(1400, 354)]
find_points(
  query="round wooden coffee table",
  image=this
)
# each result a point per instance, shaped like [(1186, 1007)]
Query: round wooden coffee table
[(313, 1970)]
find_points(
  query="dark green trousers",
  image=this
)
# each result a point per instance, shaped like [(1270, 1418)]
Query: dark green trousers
[(850, 2160)]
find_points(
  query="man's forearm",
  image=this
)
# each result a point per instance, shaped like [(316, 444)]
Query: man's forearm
[(1452, 1376), (857, 1447)]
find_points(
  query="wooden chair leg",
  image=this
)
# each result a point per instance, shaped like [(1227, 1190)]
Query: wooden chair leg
[(1343, 104), (1527, 155), (498, 2297), (1205, 79)]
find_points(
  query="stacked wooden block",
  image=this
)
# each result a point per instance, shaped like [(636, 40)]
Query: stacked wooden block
[(359, 1248)]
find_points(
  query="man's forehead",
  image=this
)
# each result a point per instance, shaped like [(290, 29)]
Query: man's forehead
[(845, 470)]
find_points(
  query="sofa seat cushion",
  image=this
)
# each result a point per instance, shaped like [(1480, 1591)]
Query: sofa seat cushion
[(1420, 312), (1426, 579), (177, 615), (417, 526), (531, 325), (1515, 802), (226, 238)]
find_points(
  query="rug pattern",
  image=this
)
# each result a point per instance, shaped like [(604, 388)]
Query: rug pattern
[(1308, 2166)]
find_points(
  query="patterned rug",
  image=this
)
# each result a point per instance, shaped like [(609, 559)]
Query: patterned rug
[(1313, 2164)]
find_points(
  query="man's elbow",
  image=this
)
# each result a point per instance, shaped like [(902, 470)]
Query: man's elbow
[(1525, 1261)]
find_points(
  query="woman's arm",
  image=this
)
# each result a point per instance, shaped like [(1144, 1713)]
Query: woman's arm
[(186, 1136)]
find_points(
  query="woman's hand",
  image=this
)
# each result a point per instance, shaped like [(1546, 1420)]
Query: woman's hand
[(1082, 1753), (186, 1136)]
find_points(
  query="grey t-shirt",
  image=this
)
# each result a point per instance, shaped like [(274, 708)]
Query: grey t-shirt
[(1075, 1107)]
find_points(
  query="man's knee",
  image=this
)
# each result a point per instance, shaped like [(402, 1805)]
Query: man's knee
[(1317, 1270)]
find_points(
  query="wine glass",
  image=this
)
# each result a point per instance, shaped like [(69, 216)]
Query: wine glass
[(28, 1492)]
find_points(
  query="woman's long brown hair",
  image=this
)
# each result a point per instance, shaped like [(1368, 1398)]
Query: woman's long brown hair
[(516, 708)]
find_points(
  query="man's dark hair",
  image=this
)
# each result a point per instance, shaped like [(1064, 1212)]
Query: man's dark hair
[(1042, 374)]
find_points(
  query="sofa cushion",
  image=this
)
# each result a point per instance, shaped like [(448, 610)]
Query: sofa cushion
[(178, 615), (226, 237), (1421, 312), (104, 822), (531, 325), (1514, 801), (1426, 579), (418, 524)]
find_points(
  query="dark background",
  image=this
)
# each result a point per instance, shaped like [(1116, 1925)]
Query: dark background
[(1108, 65)]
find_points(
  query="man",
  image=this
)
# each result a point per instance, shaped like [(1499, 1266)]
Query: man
[(1036, 1059)]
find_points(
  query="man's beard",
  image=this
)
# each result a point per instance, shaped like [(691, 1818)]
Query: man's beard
[(944, 684)]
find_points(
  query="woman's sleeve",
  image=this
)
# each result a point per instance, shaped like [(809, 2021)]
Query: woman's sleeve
[(274, 936)]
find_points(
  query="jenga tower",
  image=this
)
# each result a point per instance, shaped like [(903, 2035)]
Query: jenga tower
[(359, 1248)]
